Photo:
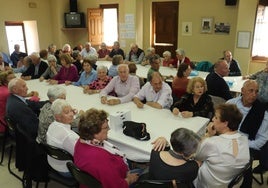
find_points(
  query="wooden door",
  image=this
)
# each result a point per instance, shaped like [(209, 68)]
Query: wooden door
[(165, 26), (95, 26)]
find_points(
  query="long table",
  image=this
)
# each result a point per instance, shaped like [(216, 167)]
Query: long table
[(167, 71), (159, 122)]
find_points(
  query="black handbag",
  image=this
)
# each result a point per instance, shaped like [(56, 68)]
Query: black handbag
[(136, 130)]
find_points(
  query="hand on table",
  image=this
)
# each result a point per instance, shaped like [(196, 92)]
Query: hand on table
[(186, 114), (113, 101)]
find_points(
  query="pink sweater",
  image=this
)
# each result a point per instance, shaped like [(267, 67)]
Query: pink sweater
[(67, 74), (109, 169), (4, 93)]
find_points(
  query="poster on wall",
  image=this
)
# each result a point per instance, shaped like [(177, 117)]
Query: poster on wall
[(186, 29), (243, 39), (222, 28), (206, 25), (127, 29)]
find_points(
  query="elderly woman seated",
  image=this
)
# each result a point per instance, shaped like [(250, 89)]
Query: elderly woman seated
[(101, 82), (177, 162), (98, 157), (225, 153), (87, 76), (196, 102), (52, 70), (46, 116), (68, 71), (59, 133)]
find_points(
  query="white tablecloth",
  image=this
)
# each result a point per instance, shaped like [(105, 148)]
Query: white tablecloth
[(159, 122)]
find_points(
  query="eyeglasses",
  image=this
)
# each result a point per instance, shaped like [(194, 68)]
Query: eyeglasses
[(106, 127)]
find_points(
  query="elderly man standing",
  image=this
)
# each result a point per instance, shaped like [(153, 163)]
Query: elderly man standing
[(135, 55), (215, 82), (88, 50), (156, 93), (254, 124), (21, 111), (124, 86), (232, 64), (36, 69)]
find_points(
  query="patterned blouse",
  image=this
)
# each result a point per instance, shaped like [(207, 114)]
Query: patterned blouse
[(100, 84)]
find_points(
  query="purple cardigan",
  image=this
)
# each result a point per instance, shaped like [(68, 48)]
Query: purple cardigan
[(67, 74)]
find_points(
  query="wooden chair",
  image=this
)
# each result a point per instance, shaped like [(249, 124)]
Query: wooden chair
[(82, 177)]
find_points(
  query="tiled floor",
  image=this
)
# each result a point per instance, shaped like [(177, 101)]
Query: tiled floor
[(9, 181)]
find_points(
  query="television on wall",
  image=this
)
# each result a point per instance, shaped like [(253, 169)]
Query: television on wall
[(74, 20)]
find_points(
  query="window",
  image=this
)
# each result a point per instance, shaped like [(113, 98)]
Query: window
[(23, 33), (260, 41), (15, 35), (110, 27)]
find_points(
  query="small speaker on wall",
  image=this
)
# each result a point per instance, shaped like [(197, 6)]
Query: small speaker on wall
[(73, 5), (230, 2)]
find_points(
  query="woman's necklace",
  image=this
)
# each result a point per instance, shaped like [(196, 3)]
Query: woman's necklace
[(175, 155)]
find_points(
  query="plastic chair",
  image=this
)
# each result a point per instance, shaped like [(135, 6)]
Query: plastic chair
[(62, 155), (82, 177), (162, 184), (239, 176), (203, 66)]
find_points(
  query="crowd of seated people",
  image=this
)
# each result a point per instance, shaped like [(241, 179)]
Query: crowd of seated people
[(187, 97)]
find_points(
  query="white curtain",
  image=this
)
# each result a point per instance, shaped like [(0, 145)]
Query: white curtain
[(260, 41)]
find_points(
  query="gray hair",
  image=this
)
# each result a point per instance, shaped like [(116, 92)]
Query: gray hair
[(51, 46), (58, 105), (51, 58), (55, 92), (66, 47), (88, 43), (1, 54), (75, 53), (122, 65), (103, 44), (91, 57), (116, 43), (184, 141), (180, 51), (12, 84), (150, 49), (102, 67), (167, 53), (35, 54)]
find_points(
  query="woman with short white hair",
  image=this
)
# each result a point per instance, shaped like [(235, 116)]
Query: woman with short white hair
[(46, 115), (101, 82), (52, 69), (59, 133)]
